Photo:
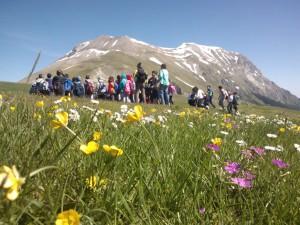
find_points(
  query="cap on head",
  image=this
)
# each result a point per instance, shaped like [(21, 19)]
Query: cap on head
[(139, 64)]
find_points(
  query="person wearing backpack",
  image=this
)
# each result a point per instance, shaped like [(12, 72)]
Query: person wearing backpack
[(57, 87), (39, 86), (132, 87), (140, 77), (88, 86), (163, 79), (50, 85), (111, 89), (101, 89), (68, 86), (78, 87), (153, 87), (124, 88)]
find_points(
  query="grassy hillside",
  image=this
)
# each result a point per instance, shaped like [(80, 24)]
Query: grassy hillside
[(14, 87)]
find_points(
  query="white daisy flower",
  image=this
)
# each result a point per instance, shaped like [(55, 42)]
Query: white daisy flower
[(272, 135)]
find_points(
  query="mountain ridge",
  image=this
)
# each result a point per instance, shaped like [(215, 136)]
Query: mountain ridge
[(190, 64)]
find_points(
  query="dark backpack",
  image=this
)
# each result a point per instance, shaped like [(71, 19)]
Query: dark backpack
[(89, 88), (141, 75), (40, 88)]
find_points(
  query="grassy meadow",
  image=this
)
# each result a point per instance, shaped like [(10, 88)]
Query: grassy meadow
[(98, 162)]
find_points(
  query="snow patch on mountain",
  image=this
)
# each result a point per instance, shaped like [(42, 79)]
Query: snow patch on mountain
[(191, 67), (97, 52), (179, 65), (202, 78), (139, 42), (155, 60), (184, 82), (114, 43)]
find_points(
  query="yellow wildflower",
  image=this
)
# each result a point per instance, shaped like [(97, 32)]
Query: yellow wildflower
[(113, 150), (37, 116), (157, 123), (65, 98), (54, 107), (92, 182), (62, 120), (182, 114), (75, 104), (97, 135), (282, 129), (40, 104), (70, 217), (1, 97), (49, 114), (134, 117), (217, 141), (91, 147), (153, 110), (12, 108), (10, 179), (229, 126)]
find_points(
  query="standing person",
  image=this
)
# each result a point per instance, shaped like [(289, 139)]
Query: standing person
[(88, 87), (235, 103), (124, 88), (171, 91), (222, 95), (210, 95), (68, 86), (163, 79), (78, 87), (57, 83), (50, 85), (111, 89), (140, 77), (152, 82), (132, 85), (230, 101), (101, 89)]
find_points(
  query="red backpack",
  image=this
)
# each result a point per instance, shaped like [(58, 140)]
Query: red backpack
[(90, 88)]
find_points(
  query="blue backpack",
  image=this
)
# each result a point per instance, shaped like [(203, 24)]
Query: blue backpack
[(67, 85)]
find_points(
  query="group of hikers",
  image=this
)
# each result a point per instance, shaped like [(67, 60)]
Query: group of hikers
[(200, 99), (126, 87), (136, 88)]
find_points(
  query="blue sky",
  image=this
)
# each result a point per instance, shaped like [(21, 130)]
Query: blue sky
[(265, 31)]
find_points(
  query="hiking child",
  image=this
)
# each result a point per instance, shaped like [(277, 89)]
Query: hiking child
[(39, 86), (163, 79), (57, 83), (210, 95), (101, 89), (132, 84), (68, 86), (111, 89), (50, 85), (88, 87), (124, 88), (140, 78), (192, 100), (171, 91)]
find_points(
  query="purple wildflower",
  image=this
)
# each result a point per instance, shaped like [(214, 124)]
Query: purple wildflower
[(233, 165), (247, 155), (231, 169), (279, 163), (248, 175), (214, 147), (257, 150), (202, 210), (242, 182)]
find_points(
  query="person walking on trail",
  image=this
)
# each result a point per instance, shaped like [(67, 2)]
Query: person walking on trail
[(140, 78), (210, 95), (222, 96), (163, 79)]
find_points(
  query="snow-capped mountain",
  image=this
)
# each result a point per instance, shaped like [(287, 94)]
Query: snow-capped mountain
[(189, 65)]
